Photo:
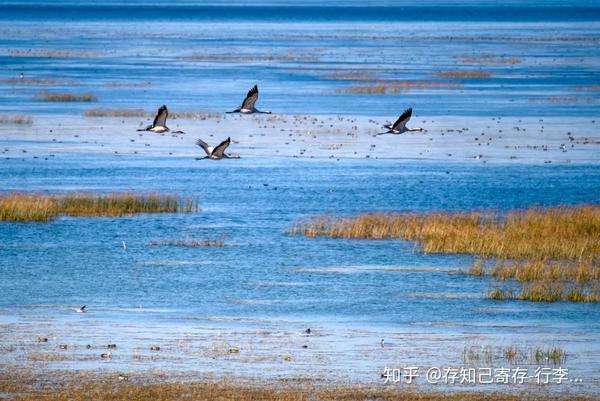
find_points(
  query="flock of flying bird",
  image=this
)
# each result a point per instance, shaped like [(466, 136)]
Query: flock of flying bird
[(159, 125)]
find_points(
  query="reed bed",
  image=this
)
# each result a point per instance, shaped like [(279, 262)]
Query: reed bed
[(463, 74), (114, 113), (41, 208), (16, 120), (395, 87), (66, 97), (569, 233), (29, 386), (581, 271), (548, 291)]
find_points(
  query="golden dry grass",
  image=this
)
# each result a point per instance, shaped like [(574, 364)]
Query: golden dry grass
[(582, 271), (40, 208), (66, 97), (16, 120), (395, 87), (548, 291), (554, 233), (463, 74), (28, 386), (114, 113)]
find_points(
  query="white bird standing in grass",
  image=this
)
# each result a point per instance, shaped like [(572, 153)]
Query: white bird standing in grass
[(399, 126), (159, 125), (247, 106), (216, 153)]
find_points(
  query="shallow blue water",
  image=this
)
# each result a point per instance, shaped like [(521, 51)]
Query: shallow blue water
[(305, 57), (80, 260)]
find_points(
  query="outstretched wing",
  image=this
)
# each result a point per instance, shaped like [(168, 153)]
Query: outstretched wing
[(251, 98), (402, 120), (204, 146), (220, 148), (161, 117)]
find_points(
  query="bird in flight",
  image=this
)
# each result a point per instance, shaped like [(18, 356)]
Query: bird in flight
[(399, 126), (159, 125), (216, 153), (247, 106)]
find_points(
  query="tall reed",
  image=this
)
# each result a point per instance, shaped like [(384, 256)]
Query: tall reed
[(23, 207), (553, 233)]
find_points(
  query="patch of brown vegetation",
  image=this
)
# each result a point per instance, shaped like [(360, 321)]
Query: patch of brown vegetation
[(52, 54), (66, 97), (582, 271), (548, 291), (249, 58), (41, 208), (587, 88), (114, 113), (34, 81), (463, 74), (16, 120), (490, 59), (553, 233), (395, 87), (194, 115)]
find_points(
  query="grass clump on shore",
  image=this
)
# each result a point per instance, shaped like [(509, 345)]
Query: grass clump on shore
[(553, 233), (40, 208), (66, 97), (16, 120)]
